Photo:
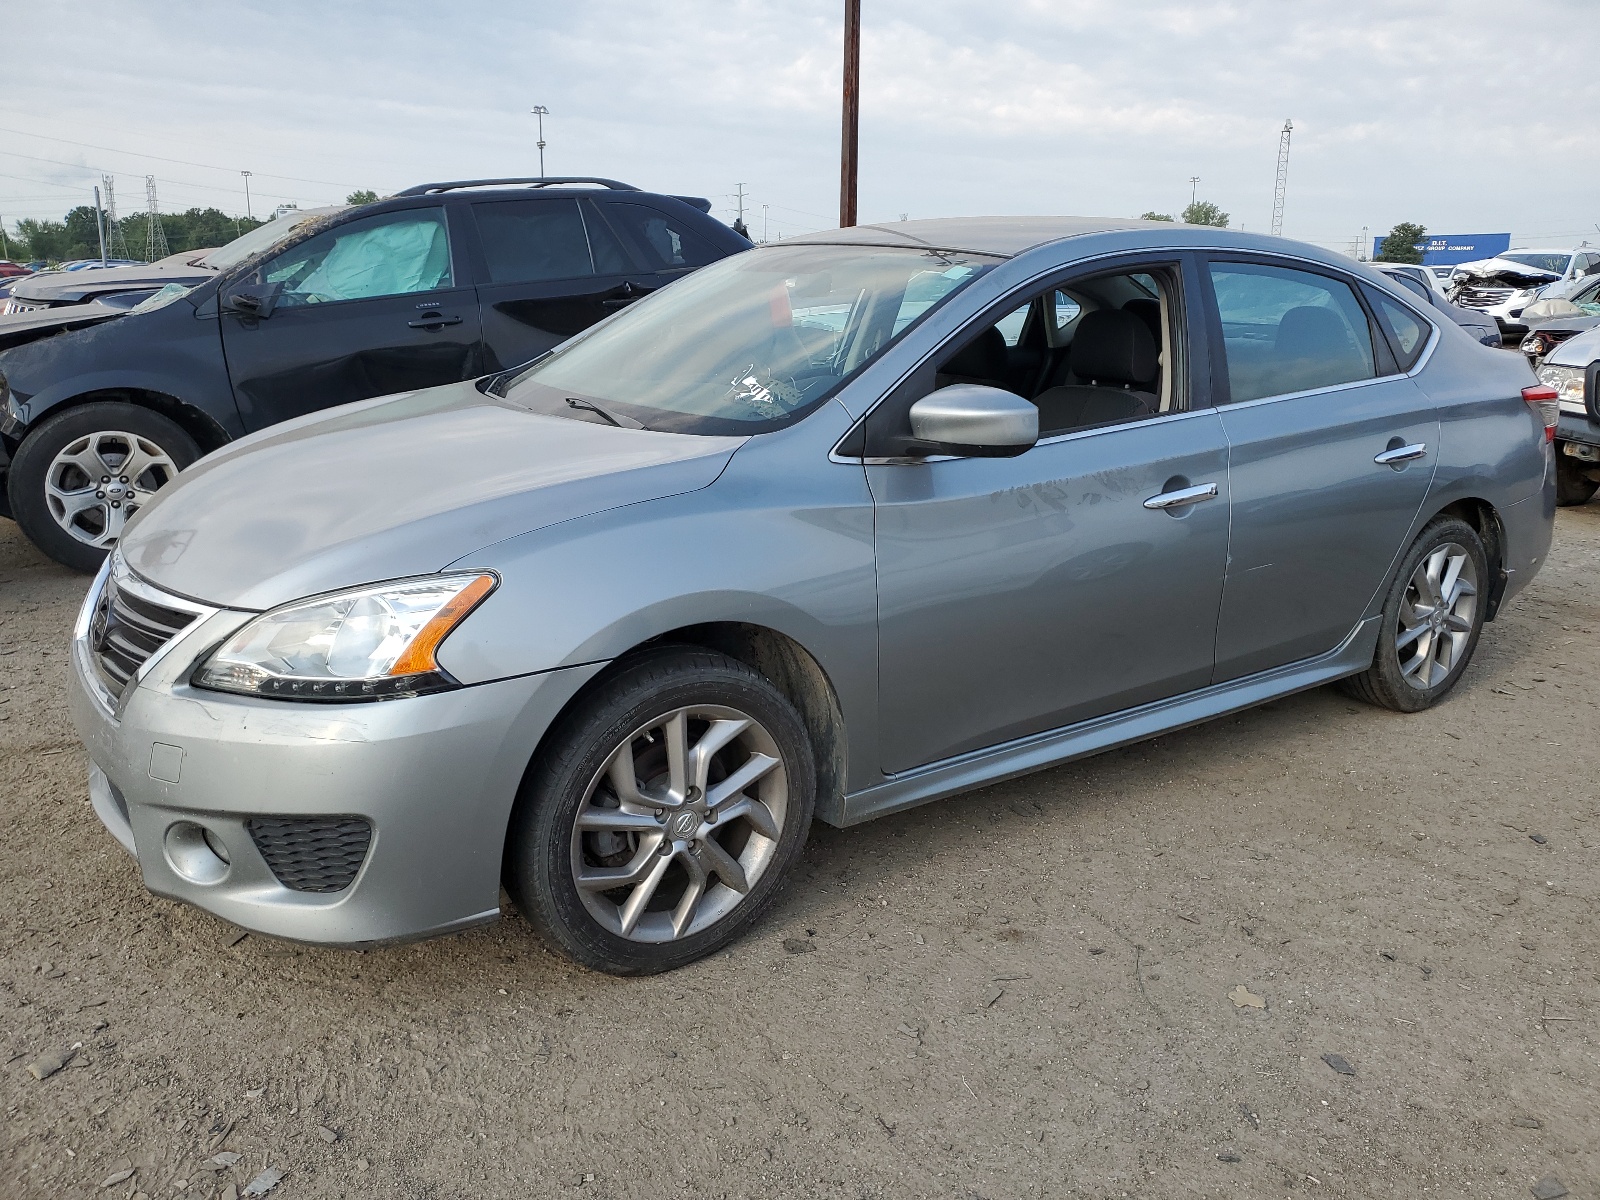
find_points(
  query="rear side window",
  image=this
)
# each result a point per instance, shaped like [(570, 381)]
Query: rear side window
[(1289, 331), (391, 255), (1407, 332), (666, 242), (528, 241)]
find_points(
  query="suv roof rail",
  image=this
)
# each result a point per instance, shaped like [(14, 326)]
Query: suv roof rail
[(423, 189)]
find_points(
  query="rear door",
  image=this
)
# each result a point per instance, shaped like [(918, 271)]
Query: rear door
[(368, 307), (551, 268), (1331, 452)]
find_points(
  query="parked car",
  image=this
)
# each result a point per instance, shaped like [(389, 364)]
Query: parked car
[(835, 527), (9, 269), (441, 283), (1425, 286), (1572, 368), (1551, 322), (1505, 285)]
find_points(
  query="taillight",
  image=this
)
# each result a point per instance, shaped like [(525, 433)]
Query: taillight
[(1548, 401)]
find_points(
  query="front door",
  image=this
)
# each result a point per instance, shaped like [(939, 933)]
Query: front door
[(1331, 453), (1083, 577), (366, 308)]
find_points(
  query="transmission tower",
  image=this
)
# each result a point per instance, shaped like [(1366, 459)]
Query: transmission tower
[(155, 237), (1283, 180), (116, 244)]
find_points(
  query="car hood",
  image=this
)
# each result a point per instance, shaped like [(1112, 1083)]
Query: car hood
[(17, 329), (1503, 271), (383, 489), (1577, 351), (73, 287)]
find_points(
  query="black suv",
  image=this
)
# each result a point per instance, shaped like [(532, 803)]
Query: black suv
[(443, 282)]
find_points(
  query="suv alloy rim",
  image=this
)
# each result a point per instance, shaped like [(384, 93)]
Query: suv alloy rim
[(680, 823), (98, 481), (1436, 615)]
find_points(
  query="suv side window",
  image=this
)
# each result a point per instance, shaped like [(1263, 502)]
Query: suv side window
[(1285, 330), (530, 241), (390, 255), (666, 243)]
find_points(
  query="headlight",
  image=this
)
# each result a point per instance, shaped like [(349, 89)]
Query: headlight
[(1534, 343), (369, 643), (1567, 381)]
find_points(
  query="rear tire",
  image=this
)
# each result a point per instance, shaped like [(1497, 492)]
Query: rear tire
[(688, 779), (1573, 485), (77, 478), (1431, 620)]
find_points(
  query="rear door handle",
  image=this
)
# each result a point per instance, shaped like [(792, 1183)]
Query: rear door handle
[(433, 321), (1183, 496), (1402, 454)]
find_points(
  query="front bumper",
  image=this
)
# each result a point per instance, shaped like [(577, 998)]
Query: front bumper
[(1573, 427), (434, 776)]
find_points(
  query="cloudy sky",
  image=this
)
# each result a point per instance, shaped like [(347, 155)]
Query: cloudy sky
[(1464, 115)]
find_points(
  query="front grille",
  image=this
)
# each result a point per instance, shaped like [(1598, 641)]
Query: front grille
[(312, 854), (126, 630), (1482, 297), (13, 305)]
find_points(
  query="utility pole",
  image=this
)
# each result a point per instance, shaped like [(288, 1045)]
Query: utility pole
[(5, 250), (247, 211), (100, 225), (739, 226), (1194, 190), (765, 227), (1282, 185), (541, 112), (116, 244), (155, 237), (849, 135)]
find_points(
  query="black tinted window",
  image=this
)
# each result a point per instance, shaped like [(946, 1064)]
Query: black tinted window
[(666, 242), (529, 240), (1407, 332), (1289, 331)]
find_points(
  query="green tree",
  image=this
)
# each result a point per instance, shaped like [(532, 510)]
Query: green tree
[(1155, 216), (362, 196), (1404, 244), (1203, 212)]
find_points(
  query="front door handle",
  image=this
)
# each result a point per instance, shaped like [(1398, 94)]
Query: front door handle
[(433, 321), (619, 303), (1183, 496), (1402, 454)]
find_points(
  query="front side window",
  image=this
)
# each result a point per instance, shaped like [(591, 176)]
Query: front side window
[(1287, 331), (391, 255), (751, 343)]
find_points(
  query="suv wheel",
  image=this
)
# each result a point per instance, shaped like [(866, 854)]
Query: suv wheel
[(659, 822), (80, 475), (1573, 485), (1431, 620)]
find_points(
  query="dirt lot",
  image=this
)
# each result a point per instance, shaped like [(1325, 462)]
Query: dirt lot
[(1027, 991)]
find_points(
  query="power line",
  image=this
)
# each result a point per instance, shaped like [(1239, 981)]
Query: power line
[(159, 158), (208, 187)]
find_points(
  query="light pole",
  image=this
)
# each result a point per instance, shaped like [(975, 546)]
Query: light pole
[(541, 112), (764, 229), (247, 211)]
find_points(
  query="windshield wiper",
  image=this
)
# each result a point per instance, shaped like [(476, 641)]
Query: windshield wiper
[(620, 422)]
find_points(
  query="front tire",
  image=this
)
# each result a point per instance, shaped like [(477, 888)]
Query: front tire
[(1573, 485), (81, 474), (1431, 620), (664, 812)]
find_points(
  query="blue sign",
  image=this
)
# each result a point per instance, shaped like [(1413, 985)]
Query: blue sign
[(1442, 250)]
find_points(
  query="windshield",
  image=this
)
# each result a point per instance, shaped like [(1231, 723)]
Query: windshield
[(1556, 264), (749, 344), (261, 238)]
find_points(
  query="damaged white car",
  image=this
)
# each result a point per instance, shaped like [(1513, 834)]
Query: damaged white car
[(1505, 285)]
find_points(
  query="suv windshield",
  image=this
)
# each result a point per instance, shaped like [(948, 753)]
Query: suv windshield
[(748, 344), (1556, 264), (262, 238)]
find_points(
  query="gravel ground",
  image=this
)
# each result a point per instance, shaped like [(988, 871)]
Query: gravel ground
[(1123, 977)]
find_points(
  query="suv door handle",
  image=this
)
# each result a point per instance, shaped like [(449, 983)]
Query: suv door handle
[(1183, 496), (433, 321), (622, 302), (1402, 454)]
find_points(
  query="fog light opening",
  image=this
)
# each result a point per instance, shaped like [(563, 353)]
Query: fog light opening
[(196, 853)]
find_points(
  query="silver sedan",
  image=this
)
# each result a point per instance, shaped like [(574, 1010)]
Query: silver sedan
[(829, 529)]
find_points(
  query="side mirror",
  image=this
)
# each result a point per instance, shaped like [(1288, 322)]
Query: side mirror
[(251, 299), (975, 421)]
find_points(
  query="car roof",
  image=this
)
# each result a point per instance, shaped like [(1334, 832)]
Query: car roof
[(1004, 237)]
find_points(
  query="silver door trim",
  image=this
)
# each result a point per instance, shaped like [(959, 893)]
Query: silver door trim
[(1197, 494), (1402, 454)]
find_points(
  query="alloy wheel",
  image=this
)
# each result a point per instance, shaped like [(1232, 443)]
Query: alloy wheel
[(1436, 615), (98, 481), (679, 824)]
